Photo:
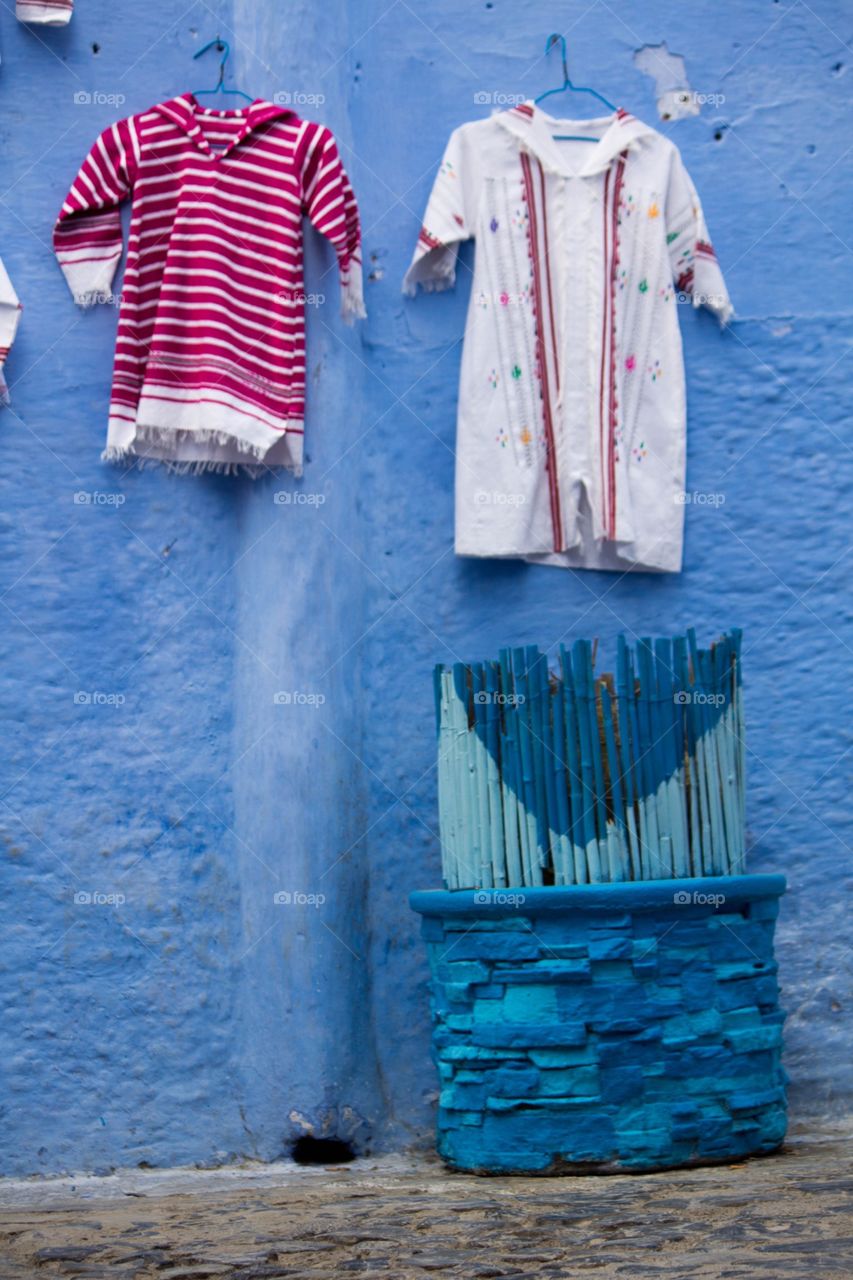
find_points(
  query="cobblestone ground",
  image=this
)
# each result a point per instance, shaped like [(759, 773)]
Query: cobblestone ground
[(787, 1215)]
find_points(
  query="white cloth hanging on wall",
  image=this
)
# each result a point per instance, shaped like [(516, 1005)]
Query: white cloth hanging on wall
[(50, 13), (570, 445), (10, 314)]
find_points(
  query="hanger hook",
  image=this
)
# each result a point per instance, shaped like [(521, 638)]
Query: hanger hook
[(221, 46), (556, 39)]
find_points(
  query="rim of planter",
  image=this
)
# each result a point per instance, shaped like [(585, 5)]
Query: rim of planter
[(636, 895)]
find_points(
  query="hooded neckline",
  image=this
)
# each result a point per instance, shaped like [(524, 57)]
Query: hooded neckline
[(185, 110), (532, 127)]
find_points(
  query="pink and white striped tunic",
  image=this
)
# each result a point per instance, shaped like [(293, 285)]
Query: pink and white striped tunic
[(49, 13), (210, 355)]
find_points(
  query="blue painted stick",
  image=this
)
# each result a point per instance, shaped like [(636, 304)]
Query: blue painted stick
[(480, 772), (564, 868), (580, 663), (617, 847), (538, 751), (576, 786), (513, 821), (661, 862), (493, 777), (626, 757), (533, 870)]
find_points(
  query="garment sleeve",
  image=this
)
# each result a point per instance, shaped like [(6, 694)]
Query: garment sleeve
[(328, 201), (10, 314), (50, 13), (449, 219), (695, 269), (87, 236)]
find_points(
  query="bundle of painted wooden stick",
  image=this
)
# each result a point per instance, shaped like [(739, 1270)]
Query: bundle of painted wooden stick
[(566, 777)]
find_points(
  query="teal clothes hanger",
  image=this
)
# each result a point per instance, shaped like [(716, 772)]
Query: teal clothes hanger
[(224, 48), (553, 40)]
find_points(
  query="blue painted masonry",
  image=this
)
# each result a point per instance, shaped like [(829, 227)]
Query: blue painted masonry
[(632, 1026), (144, 753)]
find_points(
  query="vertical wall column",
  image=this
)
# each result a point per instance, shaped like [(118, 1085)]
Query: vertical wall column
[(306, 1055)]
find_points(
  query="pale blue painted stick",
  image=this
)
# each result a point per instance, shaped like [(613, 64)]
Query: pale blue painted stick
[(468, 848), (722, 664), (480, 770), (514, 822), (444, 778), (670, 714), (704, 793), (580, 663), (519, 673), (496, 815), (709, 755), (740, 740), (716, 782), (472, 820), (455, 768), (661, 853), (564, 863), (688, 750), (716, 715)]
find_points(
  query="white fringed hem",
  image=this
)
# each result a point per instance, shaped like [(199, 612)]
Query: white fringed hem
[(352, 293), (722, 309), (433, 277), (46, 15), (162, 446), (127, 457)]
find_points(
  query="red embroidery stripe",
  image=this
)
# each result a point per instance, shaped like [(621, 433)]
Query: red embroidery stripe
[(541, 355), (545, 242), (602, 370), (617, 192)]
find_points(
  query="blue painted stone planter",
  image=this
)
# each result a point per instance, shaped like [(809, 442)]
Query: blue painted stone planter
[(594, 1028)]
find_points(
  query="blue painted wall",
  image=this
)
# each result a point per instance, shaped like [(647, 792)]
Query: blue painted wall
[(198, 1019)]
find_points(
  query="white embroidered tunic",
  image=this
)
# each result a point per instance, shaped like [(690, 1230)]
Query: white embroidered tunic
[(572, 413)]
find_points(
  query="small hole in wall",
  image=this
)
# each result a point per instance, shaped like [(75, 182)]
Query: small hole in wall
[(310, 1150), (96, 48)]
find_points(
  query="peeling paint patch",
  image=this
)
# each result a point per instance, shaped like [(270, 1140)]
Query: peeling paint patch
[(675, 98)]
